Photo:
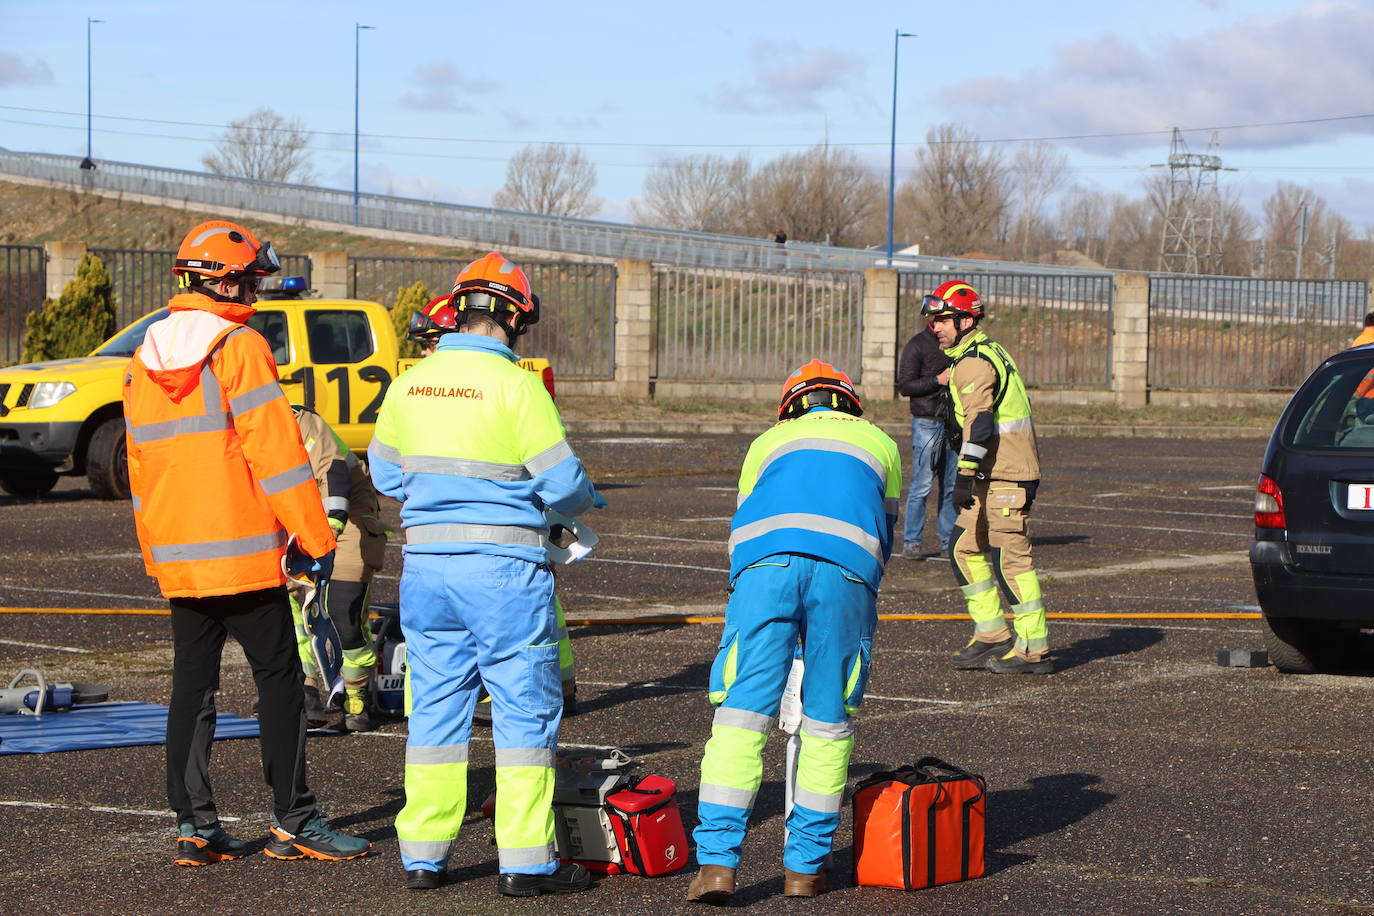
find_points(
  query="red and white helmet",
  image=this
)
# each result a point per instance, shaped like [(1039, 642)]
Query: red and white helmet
[(955, 298)]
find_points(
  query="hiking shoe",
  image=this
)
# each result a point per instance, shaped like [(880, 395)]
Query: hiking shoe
[(209, 844), (912, 552), (800, 884), (356, 718), (315, 715), (713, 884), (977, 652), (315, 840), (1011, 663), (569, 879)]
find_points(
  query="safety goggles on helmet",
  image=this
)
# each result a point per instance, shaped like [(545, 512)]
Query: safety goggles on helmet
[(266, 262)]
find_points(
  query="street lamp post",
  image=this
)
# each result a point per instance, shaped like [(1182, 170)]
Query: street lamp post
[(357, 31), (897, 36), (88, 162)]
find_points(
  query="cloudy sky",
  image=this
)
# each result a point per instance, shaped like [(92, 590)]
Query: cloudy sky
[(450, 90)]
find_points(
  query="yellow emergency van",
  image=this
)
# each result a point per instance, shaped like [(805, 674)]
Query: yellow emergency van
[(64, 417)]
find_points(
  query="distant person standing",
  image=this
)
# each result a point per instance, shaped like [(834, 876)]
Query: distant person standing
[(1367, 335), (923, 376)]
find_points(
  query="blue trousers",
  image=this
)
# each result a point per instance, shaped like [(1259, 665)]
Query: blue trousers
[(470, 620), (773, 604), (931, 459)]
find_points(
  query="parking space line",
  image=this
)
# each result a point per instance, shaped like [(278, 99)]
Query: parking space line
[(1054, 521), (662, 537), (1151, 511), (1158, 626), (715, 569), (646, 684), (874, 696), (1105, 495), (102, 809), (713, 518), (5, 586), (1233, 486), (39, 645), (484, 739)]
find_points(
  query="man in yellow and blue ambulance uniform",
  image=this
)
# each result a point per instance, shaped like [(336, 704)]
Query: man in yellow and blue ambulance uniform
[(818, 498), (474, 448), (994, 488)]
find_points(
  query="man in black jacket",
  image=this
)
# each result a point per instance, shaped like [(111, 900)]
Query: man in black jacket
[(922, 374)]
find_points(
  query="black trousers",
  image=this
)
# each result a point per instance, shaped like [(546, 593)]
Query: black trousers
[(261, 623)]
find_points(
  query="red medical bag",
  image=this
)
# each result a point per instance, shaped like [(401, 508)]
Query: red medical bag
[(648, 827), (918, 826)]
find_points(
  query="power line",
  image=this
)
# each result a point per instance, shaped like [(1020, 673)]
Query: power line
[(884, 143)]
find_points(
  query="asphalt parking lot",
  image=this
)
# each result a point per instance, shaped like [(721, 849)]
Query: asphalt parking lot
[(1141, 777)]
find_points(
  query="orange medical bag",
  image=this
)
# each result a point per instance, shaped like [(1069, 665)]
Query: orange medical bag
[(918, 826)]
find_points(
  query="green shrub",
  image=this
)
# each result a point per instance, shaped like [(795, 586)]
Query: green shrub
[(409, 299), (81, 319)]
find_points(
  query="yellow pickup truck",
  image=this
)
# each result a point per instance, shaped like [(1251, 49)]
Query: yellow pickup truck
[(336, 356)]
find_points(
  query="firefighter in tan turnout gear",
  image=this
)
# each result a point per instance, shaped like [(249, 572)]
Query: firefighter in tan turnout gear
[(999, 472), (350, 502)]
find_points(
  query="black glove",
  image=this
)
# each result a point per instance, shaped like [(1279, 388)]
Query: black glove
[(962, 497), (1030, 486)]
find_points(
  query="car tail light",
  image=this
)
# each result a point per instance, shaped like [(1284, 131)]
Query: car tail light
[(1269, 504)]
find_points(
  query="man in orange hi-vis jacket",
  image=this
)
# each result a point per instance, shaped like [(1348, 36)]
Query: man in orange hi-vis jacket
[(219, 479)]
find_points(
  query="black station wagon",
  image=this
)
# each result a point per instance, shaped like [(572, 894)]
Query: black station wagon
[(1313, 552)]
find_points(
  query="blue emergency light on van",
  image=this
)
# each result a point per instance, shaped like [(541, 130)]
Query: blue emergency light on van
[(293, 284)]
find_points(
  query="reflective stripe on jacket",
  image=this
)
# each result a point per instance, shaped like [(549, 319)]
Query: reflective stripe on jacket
[(824, 485), (216, 465), (985, 380), (474, 448)]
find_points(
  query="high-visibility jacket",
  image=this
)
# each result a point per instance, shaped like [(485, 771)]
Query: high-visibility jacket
[(1366, 337), (825, 485), (993, 411), (216, 465), (345, 486), (474, 448)]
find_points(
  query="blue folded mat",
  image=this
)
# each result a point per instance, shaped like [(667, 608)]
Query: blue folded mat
[(102, 725)]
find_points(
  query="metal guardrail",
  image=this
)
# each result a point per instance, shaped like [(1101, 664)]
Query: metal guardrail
[(143, 279), (754, 326), (1056, 328), (480, 225), (576, 329), (23, 284), (1250, 334)]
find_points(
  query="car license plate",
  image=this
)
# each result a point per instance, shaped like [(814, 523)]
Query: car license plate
[(1360, 496)]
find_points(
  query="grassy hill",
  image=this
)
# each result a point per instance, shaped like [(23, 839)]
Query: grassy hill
[(33, 215)]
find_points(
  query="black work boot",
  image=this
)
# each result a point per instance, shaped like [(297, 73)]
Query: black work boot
[(1011, 663), (977, 652), (569, 879), (315, 714)]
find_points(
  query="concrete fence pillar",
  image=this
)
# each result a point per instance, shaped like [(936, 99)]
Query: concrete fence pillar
[(878, 345), (63, 260), (1131, 339), (634, 340), (329, 273)]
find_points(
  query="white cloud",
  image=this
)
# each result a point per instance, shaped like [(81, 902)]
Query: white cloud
[(787, 77), (1312, 62), (15, 71), (441, 86)]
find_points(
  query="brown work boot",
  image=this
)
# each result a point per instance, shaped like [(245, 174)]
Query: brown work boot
[(714, 884), (798, 884)]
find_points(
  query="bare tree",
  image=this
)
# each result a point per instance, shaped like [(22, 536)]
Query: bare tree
[(265, 146), (957, 197), (1037, 171), (818, 195), (1298, 232), (549, 178), (1083, 218), (703, 193)]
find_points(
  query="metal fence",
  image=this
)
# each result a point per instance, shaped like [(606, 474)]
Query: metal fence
[(477, 225), (1056, 328), (1241, 333), (23, 283), (143, 279), (754, 326), (576, 330)]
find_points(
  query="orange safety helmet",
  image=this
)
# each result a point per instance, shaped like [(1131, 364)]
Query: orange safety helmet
[(436, 318), (818, 384), (955, 298), (494, 285), (223, 249)]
